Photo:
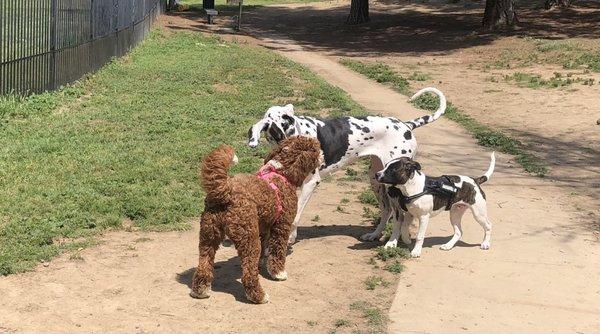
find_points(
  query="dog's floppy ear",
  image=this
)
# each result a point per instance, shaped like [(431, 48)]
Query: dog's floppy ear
[(413, 165), (289, 109)]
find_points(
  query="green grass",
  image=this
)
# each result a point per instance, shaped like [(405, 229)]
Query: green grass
[(536, 81), (485, 135), (385, 254), (378, 72), (222, 4), (374, 281), (396, 267), (374, 317), (124, 146), (341, 323), (367, 196), (568, 54)]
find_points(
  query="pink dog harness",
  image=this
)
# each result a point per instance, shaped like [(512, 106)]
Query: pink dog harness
[(267, 173)]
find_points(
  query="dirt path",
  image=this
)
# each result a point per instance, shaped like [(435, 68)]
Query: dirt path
[(540, 275)]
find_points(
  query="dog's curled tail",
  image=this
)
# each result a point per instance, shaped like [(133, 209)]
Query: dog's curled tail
[(417, 122), (488, 173), (215, 180)]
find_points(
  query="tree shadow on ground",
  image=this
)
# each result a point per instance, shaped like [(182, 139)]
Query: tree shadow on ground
[(408, 28)]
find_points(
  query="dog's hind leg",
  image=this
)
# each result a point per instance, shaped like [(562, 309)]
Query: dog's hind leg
[(307, 190), (245, 236), (278, 250), (385, 207), (456, 214), (211, 234), (480, 214)]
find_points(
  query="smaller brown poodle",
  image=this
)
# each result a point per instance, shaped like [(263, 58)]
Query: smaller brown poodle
[(255, 211)]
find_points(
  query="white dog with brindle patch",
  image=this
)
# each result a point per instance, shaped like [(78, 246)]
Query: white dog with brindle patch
[(423, 197), (343, 141)]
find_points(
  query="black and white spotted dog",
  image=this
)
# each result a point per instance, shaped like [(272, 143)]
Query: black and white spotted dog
[(422, 197), (343, 141)]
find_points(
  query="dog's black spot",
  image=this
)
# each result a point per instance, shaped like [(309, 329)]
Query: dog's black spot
[(362, 118), (407, 135), (387, 126), (396, 127), (307, 132), (276, 134), (366, 138), (409, 151), (395, 146), (366, 130), (371, 137), (394, 120), (403, 151), (333, 136)]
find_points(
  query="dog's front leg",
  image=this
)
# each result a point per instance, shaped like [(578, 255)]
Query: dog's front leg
[(307, 190), (423, 221), (399, 221), (405, 228)]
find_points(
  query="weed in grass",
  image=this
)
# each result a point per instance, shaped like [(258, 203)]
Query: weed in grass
[(368, 197), (374, 281), (536, 81), (311, 323), (76, 257), (341, 323), (345, 201), (418, 76), (379, 72), (395, 267), (142, 239), (385, 254), (373, 315), (72, 169), (350, 175), (340, 209), (370, 214), (316, 218)]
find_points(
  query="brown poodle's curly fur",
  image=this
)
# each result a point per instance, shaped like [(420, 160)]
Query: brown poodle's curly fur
[(244, 208)]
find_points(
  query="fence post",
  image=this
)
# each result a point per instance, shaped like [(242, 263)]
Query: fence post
[(53, 41)]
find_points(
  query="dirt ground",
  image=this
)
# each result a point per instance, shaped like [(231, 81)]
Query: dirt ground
[(539, 276)]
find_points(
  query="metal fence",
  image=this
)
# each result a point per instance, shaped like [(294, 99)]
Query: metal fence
[(48, 43)]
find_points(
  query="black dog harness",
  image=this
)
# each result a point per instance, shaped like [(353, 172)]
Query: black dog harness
[(438, 186)]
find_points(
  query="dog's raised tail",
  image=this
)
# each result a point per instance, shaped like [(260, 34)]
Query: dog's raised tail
[(488, 174), (417, 122), (214, 177)]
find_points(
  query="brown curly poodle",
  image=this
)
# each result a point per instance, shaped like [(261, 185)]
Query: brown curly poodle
[(254, 211)]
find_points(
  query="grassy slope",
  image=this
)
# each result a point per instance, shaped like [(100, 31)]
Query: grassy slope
[(126, 143)]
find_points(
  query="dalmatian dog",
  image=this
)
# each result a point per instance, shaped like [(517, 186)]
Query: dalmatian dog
[(343, 141), (423, 197)]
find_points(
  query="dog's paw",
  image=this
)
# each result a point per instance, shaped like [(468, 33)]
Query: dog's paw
[(199, 295), (415, 253), (292, 238), (391, 244), (485, 246), (264, 300), (446, 247), (282, 276), (370, 236)]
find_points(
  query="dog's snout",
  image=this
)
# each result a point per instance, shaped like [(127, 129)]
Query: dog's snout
[(378, 175)]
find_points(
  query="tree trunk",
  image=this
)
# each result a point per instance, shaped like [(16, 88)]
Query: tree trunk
[(560, 3), (499, 13), (359, 12)]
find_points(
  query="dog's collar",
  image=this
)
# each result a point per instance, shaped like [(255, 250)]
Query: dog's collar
[(441, 186)]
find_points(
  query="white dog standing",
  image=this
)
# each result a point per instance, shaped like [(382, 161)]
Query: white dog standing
[(423, 197), (343, 141)]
